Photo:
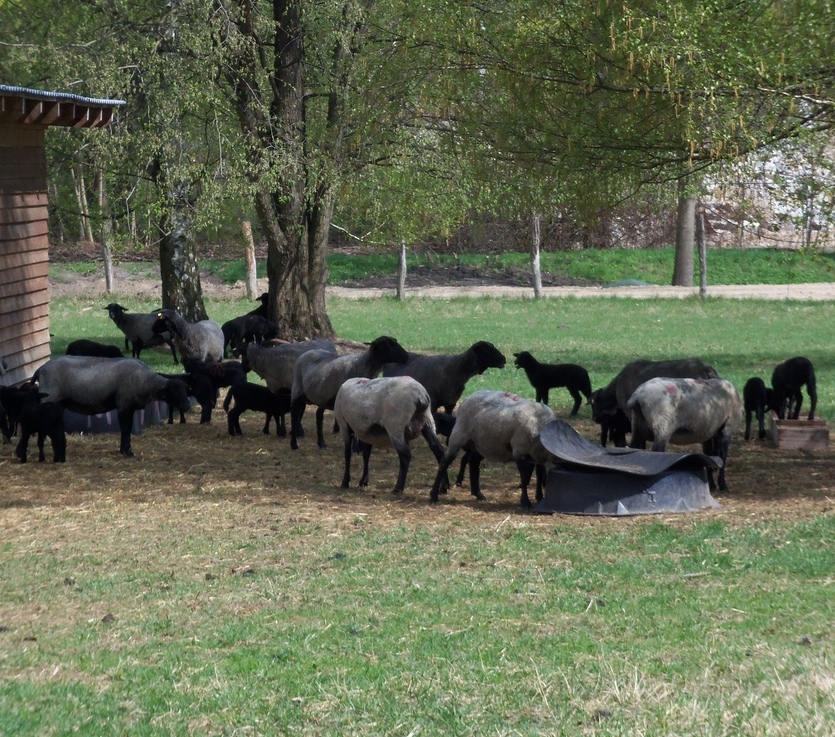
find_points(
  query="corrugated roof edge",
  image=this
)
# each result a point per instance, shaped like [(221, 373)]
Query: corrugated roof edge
[(57, 96)]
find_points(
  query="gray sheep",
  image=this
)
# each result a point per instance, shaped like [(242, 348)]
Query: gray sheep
[(94, 385), (197, 341), (498, 426), (318, 375), (384, 412), (608, 405), (445, 376), (684, 411), (138, 329)]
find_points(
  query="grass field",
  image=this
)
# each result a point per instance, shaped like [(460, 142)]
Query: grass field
[(228, 586)]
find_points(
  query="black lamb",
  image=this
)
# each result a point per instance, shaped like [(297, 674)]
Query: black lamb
[(787, 380), (34, 417), (84, 347), (246, 329), (204, 392), (756, 399), (545, 376), (256, 398)]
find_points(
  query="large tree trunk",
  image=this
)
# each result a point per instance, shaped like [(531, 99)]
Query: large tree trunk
[(685, 237), (181, 290)]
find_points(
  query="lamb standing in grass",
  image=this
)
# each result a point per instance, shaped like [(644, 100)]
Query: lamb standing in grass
[(685, 411), (94, 385), (138, 329), (545, 376), (197, 341), (34, 417), (384, 412), (445, 376), (318, 375), (498, 426), (787, 381)]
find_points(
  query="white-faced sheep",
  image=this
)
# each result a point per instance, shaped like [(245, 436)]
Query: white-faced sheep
[(444, 375), (84, 347), (318, 375), (35, 417), (384, 412), (787, 380), (197, 341), (501, 427), (683, 411), (249, 397), (95, 385), (138, 329), (545, 376), (609, 404), (756, 400)]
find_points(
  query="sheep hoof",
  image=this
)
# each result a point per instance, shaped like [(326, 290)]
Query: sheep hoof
[(395, 490)]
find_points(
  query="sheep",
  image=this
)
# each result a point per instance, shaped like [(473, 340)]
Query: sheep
[(94, 385), (389, 411), (202, 389), (609, 403), (201, 341), (498, 426), (256, 398), (756, 400), (44, 419), (545, 376), (445, 375), (683, 411), (84, 347), (246, 329), (787, 380), (318, 374), (138, 330), (263, 310)]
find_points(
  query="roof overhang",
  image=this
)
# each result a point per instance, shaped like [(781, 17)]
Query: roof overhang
[(24, 106)]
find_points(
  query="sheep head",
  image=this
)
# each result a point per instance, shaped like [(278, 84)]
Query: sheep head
[(488, 356)]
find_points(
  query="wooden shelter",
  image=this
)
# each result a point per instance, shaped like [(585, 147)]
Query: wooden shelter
[(24, 232)]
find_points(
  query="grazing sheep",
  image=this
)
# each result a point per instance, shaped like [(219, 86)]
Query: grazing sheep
[(197, 341), (94, 385), (606, 402), (445, 376), (84, 347), (43, 419), (787, 380), (545, 376), (318, 374), (756, 400), (256, 398), (201, 388), (384, 412), (498, 426), (246, 329), (138, 330), (683, 411)]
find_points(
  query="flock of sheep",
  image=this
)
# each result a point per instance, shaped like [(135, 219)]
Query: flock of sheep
[(386, 396)]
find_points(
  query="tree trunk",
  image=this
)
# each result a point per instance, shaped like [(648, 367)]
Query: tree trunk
[(106, 234), (83, 206), (685, 237), (401, 272), (536, 240), (700, 238), (251, 272)]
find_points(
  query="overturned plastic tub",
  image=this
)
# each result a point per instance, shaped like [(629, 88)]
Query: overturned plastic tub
[(588, 479), (154, 413)]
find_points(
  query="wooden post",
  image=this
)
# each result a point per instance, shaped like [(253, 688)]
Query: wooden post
[(401, 272), (700, 240), (535, 263), (251, 273)]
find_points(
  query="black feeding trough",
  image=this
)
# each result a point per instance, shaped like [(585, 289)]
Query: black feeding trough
[(589, 479)]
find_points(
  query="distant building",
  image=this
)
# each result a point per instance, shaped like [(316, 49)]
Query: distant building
[(24, 245)]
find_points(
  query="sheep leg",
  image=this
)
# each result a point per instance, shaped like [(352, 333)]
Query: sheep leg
[(320, 422), (365, 449), (475, 474), (813, 398), (125, 427), (761, 422), (578, 400), (59, 446), (281, 427), (23, 444), (462, 469), (748, 418), (296, 411), (442, 477), (348, 437), (798, 400), (41, 439), (436, 448), (233, 421), (404, 455), (526, 469), (541, 478)]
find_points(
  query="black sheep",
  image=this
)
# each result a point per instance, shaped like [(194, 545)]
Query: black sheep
[(787, 380), (756, 399), (201, 388), (246, 329), (545, 376), (35, 417), (256, 398), (84, 347)]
